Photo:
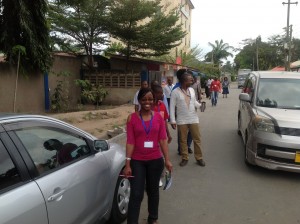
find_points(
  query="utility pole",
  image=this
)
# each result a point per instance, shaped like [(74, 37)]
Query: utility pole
[(257, 65), (290, 46), (287, 65)]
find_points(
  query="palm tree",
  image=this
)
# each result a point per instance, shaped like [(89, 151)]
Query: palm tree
[(220, 50), (190, 58)]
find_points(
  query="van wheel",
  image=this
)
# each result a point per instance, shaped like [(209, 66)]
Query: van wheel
[(120, 202)]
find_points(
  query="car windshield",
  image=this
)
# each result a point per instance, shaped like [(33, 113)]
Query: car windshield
[(279, 93)]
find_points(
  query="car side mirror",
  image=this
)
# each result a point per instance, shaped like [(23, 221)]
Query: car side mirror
[(101, 145), (244, 97)]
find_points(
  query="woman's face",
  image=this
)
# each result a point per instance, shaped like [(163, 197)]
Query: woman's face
[(146, 101), (159, 95), (144, 85)]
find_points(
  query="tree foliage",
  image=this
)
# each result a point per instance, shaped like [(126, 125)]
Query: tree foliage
[(190, 58), (270, 53), (144, 27), (220, 50), (23, 23), (79, 25)]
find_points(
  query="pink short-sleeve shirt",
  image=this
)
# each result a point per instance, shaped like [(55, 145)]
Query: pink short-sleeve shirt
[(136, 135)]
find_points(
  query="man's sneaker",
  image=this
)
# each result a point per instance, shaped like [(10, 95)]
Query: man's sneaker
[(183, 162), (190, 150), (201, 162)]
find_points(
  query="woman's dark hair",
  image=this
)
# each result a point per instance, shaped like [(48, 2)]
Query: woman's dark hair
[(143, 92)]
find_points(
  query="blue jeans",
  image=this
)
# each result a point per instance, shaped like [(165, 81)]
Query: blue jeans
[(149, 171), (214, 97), (189, 140)]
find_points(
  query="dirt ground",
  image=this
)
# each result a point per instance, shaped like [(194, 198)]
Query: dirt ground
[(98, 122)]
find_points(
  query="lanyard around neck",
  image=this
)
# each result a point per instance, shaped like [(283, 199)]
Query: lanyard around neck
[(147, 130)]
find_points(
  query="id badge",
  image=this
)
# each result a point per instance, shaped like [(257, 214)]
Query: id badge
[(148, 144)]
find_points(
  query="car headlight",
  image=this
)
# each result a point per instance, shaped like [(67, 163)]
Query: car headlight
[(264, 124)]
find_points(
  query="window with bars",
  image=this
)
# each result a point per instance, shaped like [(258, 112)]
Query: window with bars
[(115, 80)]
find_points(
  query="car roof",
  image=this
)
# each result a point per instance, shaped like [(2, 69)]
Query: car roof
[(12, 116), (277, 74)]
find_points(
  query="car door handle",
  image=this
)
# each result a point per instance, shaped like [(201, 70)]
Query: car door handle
[(57, 196)]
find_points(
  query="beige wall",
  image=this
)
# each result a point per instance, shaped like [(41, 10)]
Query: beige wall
[(30, 91), (72, 66), (119, 96), (31, 94)]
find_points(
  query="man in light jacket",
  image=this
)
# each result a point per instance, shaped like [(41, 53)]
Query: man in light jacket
[(183, 98)]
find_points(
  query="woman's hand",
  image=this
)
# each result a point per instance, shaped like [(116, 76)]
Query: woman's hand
[(169, 165), (127, 171)]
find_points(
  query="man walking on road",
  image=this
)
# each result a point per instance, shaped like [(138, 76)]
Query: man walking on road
[(215, 89), (183, 98)]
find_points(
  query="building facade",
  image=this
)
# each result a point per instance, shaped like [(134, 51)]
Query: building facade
[(185, 8)]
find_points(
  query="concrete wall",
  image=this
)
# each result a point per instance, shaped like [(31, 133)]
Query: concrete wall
[(31, 91), (119, 96), (70, 65)]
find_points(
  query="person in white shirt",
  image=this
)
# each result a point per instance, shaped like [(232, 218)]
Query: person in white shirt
[(208, 83), (168, 89), (183, 98)]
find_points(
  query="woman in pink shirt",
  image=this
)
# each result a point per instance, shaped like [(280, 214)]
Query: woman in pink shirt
[(146, 142)]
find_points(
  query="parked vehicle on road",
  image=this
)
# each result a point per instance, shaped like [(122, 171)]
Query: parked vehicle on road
[(242, 75), (269, 120), (52, 172)]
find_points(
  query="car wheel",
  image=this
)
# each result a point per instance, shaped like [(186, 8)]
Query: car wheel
[(121, 200), (239, 125)]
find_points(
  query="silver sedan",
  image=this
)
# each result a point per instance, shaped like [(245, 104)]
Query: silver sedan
[(54, 173)]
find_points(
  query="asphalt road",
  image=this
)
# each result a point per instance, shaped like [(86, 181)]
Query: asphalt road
[(226, 190)]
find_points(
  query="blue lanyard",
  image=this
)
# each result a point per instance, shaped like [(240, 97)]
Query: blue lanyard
[(147, 130)]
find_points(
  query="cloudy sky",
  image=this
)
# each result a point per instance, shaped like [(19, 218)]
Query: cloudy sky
[(235, 20)]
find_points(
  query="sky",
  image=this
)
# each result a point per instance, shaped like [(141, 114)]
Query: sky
[(236, 20)]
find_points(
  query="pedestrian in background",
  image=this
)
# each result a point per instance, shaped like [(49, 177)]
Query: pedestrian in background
[(168, 89), (164, 98), (208, 83), (225, 87), (183, 98), (159, 106), (197, 88), (146, 142), (144, 84), (215, 89)]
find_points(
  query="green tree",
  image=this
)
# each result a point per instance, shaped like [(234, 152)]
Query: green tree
[(78, 25), (23, 23), (220, 50), (191, 58), (144, 28), (270, 54)]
